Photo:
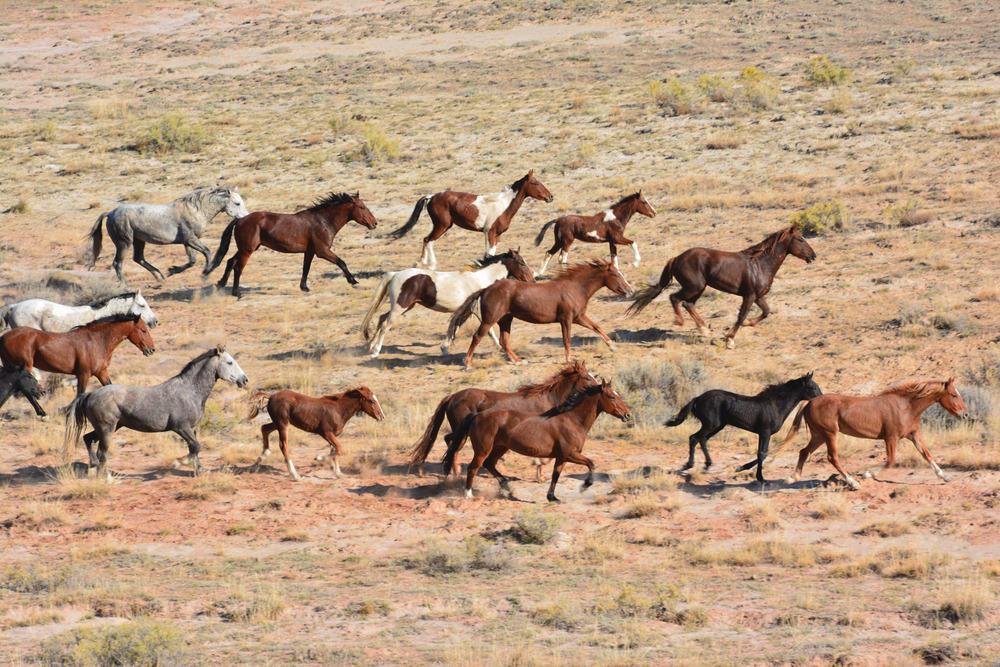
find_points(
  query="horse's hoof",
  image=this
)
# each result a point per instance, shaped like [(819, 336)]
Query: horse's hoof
[(612, 348), (552, 499), (944, 478), (790, 480), (853, 483), (867, 474), (468, 493), (730, 344), (303, 288)]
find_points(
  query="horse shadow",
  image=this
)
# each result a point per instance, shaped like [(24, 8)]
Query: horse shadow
[(649, 335), (360, 275), (34, 475), (187, 294), (416, 360), (712, 488)]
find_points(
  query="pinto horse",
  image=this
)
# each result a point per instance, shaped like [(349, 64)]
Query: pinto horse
[(607, 225), (310, 231), (562, 299), (748, 273), (490, 214), (532, 398), (325, 416), (558, 433), (19, 380), (889, 416), (84, 351)]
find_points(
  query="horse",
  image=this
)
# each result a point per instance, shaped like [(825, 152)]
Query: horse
[(558, 433), (562, 299), (607, 225), (748, 273), (182, 221), (176, 405), (84, 351), (310, 231), (443, 291), (19, 380), (55, 317), (762, 414), (325, 416), (889, 416), (532, 398), (490, 214)]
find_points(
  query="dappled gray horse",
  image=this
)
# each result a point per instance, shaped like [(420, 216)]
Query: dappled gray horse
[(181, 221), (176, 405)]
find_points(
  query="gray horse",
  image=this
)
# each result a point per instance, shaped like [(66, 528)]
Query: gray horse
[(176, 405), (181, 221)]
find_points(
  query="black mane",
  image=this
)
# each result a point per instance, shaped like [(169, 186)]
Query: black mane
[(572, 401), (332, 199), (119, 317), (780, 389), (106, 300), (489, 260)]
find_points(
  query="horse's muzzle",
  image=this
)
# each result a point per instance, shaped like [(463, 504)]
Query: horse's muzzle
[(148, 351), (242, 382)]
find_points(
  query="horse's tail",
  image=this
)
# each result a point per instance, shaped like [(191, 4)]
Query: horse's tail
[(417, 210), (75, 419), (96, 238), (541, 233), (377, 300), (423, 446), (457, 440), (220, 254), (257, 402), (5, 317), (792, 432), (646, 295), (681, 416), (463, 313)]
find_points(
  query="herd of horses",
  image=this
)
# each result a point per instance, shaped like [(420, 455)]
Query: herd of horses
[(550, 419)]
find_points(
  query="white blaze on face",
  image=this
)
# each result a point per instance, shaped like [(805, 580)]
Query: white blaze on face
[(491, 206), (608, 215)]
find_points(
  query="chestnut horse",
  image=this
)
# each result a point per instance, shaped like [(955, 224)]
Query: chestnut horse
[(558, 433), (83, 351), (310, 231), (889, 416), (533, 398), (490, 214), (607, 225), (562, 299), (748, 273), (325, 416)]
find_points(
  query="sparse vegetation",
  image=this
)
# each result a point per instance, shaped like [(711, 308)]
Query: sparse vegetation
[(820, 71), (677, 97), (141, 643), (822, 218), (172, 133), (535, 526), (908, 213)]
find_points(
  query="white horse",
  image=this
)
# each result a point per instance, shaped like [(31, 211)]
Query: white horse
[(443, 291), (55, 317), (181, 221)]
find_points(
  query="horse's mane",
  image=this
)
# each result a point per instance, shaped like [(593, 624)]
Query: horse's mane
[(767, 246), (779, 388), (114, 319), (572, 401), (196, 195), (918, 389), (106, 300), (572, 272), (549, 383), (489, 260), (626, 198), (197, 360), (331, 199)]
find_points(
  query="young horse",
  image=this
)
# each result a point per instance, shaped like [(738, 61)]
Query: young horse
[(443, 291), (490, 214), (558, 433), (562, 299), (748, 273), (310, 231), (889, 416), (52, 316), (20, 380), (325, 416), (84, 351), (607, 225), (181, 221), (532, 398), (762, 414), (176, 405)]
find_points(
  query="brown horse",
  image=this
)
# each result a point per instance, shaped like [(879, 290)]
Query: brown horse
[(532, 398), (748, 273), (558, 433), (84, 351), (607, 225), (490, 214), (310, 231), (325, 416), (889, 416), (562, 299)]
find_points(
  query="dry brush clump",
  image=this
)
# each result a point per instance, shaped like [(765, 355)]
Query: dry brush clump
[(654, 391), (822, 218), (142, 643), (172, 133)]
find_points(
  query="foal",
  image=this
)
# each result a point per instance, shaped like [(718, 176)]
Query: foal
[(19, 380), (325, 416)]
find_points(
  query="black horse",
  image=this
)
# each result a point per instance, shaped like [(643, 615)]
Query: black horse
[(20, 380), (762, 414)]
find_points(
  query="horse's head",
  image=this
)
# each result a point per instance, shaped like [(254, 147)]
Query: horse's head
[(141, 308), (360, 213), (642, 206), (235, 208), (615, 281), (613, 404), (807, 387), (140, 336), (798, 247), (228, 369), (582, 378), (25, 382), (368, 402), (533, 188), (952, 401), (517, 268)]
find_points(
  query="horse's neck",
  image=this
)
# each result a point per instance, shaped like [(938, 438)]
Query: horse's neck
[(771, 261), (516, 202), (490, 274), (590, 284), (333, 218), (199, 216), (111, 335), (586, 411), (562, 391), (784, 403), (918, 405), (202, 378), (623, 212)]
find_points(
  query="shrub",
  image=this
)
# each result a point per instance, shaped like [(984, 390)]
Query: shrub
[(20, 206), (437, 559), (724, 140), (145, 642), (981, 403), (907, 214), (839, 102), (821, 72), (674, 95), (172, 133), (716, 88), (655, 391), (757, 89), (365, 608), (377, 145), (486, 555), (822, 218), (535, 527), (258, 608)]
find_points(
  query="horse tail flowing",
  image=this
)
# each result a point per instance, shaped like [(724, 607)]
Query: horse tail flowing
[(646, 295), (541, 233), (423, 446), (681, 416), (457, 440), (96, 238), (417, 210), (220, 254), (75, 419), (463, 313), (377, 300), (257, 402)]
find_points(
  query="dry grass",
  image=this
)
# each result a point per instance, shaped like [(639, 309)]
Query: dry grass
[(888, 528), (210, 485), (71, 487), (761, 516), (831, 505), (724, 141)]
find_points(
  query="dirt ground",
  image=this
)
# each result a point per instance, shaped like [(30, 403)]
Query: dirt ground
[(713, 111)]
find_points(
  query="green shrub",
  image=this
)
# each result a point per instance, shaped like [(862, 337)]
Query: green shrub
[(822, 218), (172, 133), (377, 145), (145, 642), (757, 89), (437, 559), (716, 88), (535, 527), (654, 391), (674, 95), (821, 72)]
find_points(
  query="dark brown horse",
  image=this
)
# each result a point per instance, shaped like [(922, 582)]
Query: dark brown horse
[(325, 416), (490, 214), (889, 416), (531, 398), (310, 231), (19, 380), (604, 226), (563, 299), (748, 273), (558, 433), (84, 351)]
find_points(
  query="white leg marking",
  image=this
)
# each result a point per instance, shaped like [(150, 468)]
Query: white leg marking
[(616, 261), (336, 468), (291, 470), (468, 493), (635, 249), (492, 250), (563, 257), (433, 259), (545, 264)]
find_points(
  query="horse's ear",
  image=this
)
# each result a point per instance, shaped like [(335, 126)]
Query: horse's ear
[(531, 172), (795, 227), (219, 349), (810, 374), (951, 380)]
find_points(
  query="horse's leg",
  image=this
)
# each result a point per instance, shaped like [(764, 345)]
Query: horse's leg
[(328, 255), (918, 441), (104, 434), (187, 434), (493, 335), (307, 258), (675, 302), (891, 444), (283, 443), (335, 450), (381, 330), (477, 461), (484, 326), (39, 412), (491, 465), (556, 471), (740, 316), (831, 456), (241, 258), (265, 435), (578, 458), (118, 263), (765, 310), (225, 274), (504, 324), (192, 258), (565, 325), (81, 383), (90, 440), (763, 442), (816, 439), (585, 321), (138, 255)]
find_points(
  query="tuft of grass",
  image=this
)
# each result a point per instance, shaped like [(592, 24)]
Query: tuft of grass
[(757, 89), (22, 205), (209, 485), (376, 147), (977, 131), (830, 505), (559, 614), (822, 218), (716, 88), (141, 643), (243, 607), (889, 528), (172, 133), (840, 101), (42, 514), (486, 555), (28, 619), (761, 516), (71, 487), (907, 214), (724, 141), (535, 527), (366, 608), (644, 504), (437, 559), (821, 72), (239, 529), (644, 479)]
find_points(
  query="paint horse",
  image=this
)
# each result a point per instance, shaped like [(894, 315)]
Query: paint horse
[(324, 416), (604, 226), (490, 214), (52, 316), (748, 273), (442, 291), (19, 380)]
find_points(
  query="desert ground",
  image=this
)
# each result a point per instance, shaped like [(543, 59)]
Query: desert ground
[(876, 124)]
